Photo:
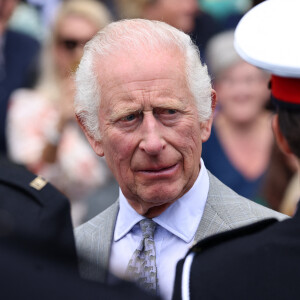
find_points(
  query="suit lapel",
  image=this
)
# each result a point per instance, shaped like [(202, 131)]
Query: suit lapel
[(94, 243), (105, 236), (212, 220)]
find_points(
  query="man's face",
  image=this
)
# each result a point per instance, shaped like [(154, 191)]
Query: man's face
[(151, 134)]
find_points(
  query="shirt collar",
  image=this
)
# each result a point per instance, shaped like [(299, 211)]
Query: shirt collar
[(182, 218), (127, 218)]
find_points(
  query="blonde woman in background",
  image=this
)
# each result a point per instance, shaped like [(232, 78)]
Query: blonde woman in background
[(42, 131), (239, 148)]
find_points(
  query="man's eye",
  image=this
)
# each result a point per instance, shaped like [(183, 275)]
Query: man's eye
[(165, 111), (129, 118), (171, 111)]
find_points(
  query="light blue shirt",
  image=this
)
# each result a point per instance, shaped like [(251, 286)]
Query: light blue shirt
[(173, 237)]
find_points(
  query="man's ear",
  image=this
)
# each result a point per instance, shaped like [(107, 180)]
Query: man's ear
[(96, 144), (280, 139), (206, 126)]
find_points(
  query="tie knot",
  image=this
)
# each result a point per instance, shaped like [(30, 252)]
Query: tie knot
[(148, 227)]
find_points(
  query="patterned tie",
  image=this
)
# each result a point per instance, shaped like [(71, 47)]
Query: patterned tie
[(142, 265)]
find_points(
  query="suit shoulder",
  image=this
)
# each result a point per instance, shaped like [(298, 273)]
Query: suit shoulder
[(264, 212), (224, 199), (233, 234)]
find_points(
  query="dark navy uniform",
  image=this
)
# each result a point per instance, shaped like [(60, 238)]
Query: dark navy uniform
[(259, 261), (37, 250), (32, 209)]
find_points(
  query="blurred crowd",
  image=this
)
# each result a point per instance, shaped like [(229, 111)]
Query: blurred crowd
[(41, 43)]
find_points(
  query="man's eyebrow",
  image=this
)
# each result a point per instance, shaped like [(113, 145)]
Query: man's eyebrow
[(123, 111), (179, 105)]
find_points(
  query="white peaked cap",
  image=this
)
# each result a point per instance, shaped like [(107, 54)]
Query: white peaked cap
[(268, 36)]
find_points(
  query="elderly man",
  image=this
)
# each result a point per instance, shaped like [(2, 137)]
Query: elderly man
[(145, 102)]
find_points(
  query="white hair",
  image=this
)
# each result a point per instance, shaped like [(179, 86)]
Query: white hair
[(126, 35)]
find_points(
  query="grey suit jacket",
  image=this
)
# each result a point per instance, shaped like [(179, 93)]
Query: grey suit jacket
[(224, 210)]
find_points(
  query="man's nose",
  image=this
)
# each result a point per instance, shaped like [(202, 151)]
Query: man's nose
[(152, 141)]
